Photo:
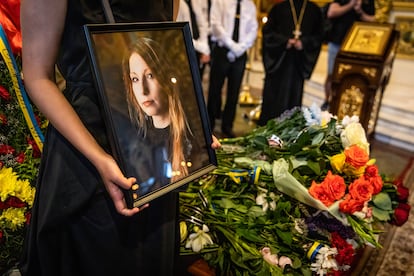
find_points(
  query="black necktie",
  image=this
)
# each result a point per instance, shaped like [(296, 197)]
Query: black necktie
[(194, 27), (236, 22)]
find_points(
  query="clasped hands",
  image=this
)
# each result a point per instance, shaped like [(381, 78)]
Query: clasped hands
[(295, 43), (235, 49)]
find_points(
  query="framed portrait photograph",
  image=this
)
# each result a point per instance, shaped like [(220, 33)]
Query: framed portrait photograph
[(152, 102)]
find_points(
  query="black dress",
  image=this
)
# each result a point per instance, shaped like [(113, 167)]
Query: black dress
[(75, 229)]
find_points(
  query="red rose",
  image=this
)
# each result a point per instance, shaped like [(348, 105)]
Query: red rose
[(371, 171), (20, 158), (28, 216), (3, 205), (401, 214), (6, 149), (402, 193), (15, 202), (356, 156), (36, 150), (398, 182), (361, 189), (4, 93)]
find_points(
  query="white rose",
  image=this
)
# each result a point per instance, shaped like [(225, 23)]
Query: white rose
[(354, 134)]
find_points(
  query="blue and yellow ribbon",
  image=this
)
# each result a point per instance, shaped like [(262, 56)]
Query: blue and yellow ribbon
[(238, 175), (313, 251), (18, 87), (255, 175)]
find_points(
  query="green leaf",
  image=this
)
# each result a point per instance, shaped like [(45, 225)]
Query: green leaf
[(285, 236), (317, 139), (382, 201), (315, 167), (250, 235), (380, 214), (256, 211), (297, 162), (260, 142)]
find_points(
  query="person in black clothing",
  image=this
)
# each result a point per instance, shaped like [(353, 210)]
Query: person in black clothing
[(291, 46), (343, 14), (80, 222)]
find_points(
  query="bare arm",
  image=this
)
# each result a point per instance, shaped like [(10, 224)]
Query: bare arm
[(336, 10), (362, 15), (176, 4), (41, 39)]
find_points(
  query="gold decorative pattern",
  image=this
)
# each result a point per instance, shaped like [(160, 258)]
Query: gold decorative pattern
[(374, 112), (382, 10), (370, 71), (344, 67), (351, 102)]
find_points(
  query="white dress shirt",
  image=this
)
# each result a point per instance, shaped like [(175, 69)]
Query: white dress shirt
[(222, 16), (200, 10)]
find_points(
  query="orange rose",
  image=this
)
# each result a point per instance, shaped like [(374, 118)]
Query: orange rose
[(356, 156), (371, 174), (335, 185), (376, 183), (350, 205), (331, 189), (319, 192), (361, 189)]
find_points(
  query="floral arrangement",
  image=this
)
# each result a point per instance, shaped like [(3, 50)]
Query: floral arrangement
[(19, 150), (299, 196)]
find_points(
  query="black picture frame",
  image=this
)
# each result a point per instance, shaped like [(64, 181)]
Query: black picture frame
[(142, 150)]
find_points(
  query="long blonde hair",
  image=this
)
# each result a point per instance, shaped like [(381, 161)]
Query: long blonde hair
[(169, 79)]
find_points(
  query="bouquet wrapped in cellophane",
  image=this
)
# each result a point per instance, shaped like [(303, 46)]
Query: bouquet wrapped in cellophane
[(299, 196)]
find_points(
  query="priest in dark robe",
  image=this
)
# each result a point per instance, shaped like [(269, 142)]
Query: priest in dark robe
[(292, 39)]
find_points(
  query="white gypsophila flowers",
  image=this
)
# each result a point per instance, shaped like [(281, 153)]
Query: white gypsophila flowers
[(325, 260)]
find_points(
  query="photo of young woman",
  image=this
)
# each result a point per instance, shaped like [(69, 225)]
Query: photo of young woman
[(152, 90)]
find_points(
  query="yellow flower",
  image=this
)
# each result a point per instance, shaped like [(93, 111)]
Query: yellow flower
[(352, 171), (10, 185), (25, 192), (13, 218), (183, 231), (338, 161), (8, 181)]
